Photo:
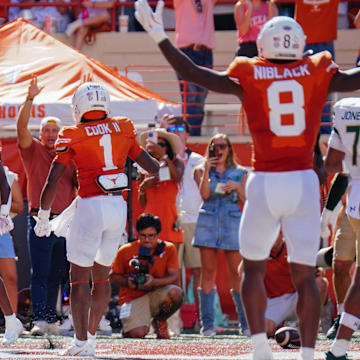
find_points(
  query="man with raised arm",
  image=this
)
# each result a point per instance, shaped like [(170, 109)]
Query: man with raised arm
[(283, 94), (99, 146)]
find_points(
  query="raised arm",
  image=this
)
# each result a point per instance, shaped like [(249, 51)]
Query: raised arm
[(23, 133), (345, 80), (188, 71), (242, 15), (273, 9)]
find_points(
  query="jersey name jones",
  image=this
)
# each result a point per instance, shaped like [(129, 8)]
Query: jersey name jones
[(351, 115)]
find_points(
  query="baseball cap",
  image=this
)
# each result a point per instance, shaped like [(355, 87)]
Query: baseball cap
[(50, 120)]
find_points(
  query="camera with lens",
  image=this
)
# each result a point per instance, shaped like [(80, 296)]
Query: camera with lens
[(141, 269), (142, 263)]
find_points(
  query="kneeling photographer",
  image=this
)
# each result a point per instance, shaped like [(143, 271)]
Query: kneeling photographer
[(147, 271)]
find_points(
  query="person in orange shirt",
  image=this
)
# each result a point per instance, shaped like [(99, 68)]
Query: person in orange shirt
[(158, 195), (320, 37), (322, 13), (94, 222), (147, 271), (280, 291), (283, 94)]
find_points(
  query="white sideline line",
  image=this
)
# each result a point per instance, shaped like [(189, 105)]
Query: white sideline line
[(50, 355)]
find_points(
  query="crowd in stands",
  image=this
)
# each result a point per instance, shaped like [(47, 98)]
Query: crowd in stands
[(191, 203)]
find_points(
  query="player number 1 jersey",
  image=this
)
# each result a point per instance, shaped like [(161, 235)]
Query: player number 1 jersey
[(97, 148)]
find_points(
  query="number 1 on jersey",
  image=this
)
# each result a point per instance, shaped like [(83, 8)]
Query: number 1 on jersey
[(105, 142)]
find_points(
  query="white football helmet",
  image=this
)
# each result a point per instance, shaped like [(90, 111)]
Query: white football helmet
[(88, 97), (281, 38)]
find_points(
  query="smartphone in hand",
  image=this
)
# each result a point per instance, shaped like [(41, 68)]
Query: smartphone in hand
[(212, 152), (153, 137)]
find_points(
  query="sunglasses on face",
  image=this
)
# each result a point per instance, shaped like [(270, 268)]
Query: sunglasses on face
[(220, 146), (179, 128)]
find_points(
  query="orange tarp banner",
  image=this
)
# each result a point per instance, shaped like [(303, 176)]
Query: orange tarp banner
[(27, 50)]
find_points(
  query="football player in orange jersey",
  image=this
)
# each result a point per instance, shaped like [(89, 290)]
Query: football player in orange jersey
[(283, 94), (99, 146)]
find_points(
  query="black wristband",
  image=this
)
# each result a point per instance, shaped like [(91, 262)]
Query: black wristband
[(337, 190)]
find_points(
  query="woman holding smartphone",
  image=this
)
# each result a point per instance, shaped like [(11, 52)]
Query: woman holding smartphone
[(158, 195), (222, 186)]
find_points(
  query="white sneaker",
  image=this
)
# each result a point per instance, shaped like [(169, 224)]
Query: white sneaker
[(75, 350), (175, 324), (104, 326), (72, 27), (12, 332), (263, 352), (39, 328), (42, 327), (208, 332), (67, 324), (52, 328), (92, 339)]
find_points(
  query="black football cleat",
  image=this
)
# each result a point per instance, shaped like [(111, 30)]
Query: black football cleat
[(331, 356)]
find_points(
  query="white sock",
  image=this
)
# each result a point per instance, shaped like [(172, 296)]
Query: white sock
[(91, 336), (80, 342), (307, 353), (259, 339), (339, 347), (340, 308), (10, 319)]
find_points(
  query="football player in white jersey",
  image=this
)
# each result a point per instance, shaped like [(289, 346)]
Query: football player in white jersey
[(344, 150)]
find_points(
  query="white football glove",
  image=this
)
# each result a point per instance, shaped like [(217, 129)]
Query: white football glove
[(42, 227), (151, 21), (324, 223), (6, 224)]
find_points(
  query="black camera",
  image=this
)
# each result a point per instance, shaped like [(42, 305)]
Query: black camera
[(142, 264), (141, 269)]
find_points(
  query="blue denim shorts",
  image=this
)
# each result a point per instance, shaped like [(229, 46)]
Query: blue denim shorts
[(6, 246), (218, 228)]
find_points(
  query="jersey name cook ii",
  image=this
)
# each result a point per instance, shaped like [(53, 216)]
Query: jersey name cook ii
[(97, 148), (345, 134), (283, 103)]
